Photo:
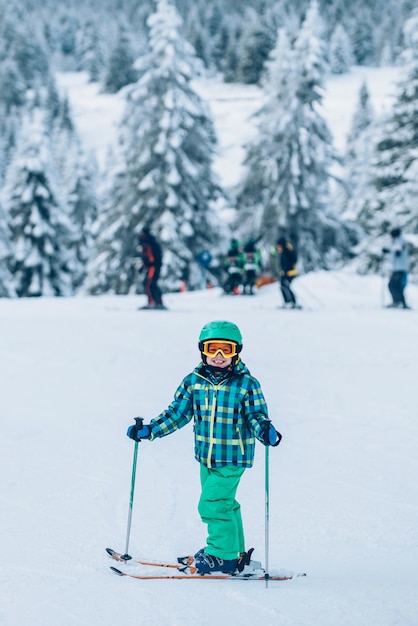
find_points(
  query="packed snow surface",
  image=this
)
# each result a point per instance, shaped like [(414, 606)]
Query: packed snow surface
[(340, 381)]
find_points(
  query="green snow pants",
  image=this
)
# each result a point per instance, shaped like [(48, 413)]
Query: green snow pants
[(221, 512)]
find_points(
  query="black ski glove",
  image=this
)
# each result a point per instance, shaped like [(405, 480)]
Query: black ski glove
[(139, 431), (271, 436)]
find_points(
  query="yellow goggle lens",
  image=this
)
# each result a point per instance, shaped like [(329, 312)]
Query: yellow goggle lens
[(226, 348)]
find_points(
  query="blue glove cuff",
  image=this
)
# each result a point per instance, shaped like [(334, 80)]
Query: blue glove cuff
[(145, 432), (274, 436), (137, 434)]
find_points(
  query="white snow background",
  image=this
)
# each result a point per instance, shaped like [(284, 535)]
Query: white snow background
[(340, 379)]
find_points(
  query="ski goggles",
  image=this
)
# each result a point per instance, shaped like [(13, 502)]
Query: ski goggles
[(226, 348)]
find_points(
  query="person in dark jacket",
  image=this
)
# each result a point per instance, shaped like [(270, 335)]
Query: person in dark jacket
[(252, 265), (151, 255), (283, 261), (229, 413), (234, 266)]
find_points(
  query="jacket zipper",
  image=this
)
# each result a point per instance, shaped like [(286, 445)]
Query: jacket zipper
[(212, 419), (212, 425)]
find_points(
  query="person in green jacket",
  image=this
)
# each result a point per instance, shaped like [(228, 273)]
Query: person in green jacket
[(229, 412), (252, 265), (234, 267)]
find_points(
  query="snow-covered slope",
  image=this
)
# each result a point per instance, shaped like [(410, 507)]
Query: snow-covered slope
[(97, 114), (340, 381)]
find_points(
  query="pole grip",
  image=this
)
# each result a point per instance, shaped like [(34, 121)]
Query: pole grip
[(139, 421)]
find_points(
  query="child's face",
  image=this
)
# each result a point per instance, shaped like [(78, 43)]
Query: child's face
[(218, 360)]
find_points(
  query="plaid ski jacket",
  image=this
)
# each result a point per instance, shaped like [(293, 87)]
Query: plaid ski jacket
[(228, 416)]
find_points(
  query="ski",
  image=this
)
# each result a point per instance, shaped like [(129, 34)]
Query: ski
[(296, 307), (161, 307), (184, 563), (186, 569), (265, 577)]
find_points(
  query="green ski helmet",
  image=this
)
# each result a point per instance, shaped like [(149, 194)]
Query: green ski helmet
[(221, 329)]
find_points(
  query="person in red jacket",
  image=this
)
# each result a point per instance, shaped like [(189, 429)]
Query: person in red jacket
[(151, 255)]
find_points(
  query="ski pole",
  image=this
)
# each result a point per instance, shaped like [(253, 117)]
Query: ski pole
[(126, 557), (266, 517)]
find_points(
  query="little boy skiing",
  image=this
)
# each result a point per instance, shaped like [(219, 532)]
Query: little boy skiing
[(229, 412)]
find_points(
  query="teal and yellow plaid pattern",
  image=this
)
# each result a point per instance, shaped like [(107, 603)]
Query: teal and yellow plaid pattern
[(228, 416)]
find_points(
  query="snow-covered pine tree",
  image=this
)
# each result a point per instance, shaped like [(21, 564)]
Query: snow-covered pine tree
[(390, 198), (13, 87), (286, 187), (340, 51), (66, 26), (261, 198), (256, 43), (9, 127), (229, 65), (40, 230), (89, 49), (358, 156), (164, 178), (359, 148), (363, 115), (389, 36), (120, 69), (77, 174), (362, 35), (374, 27), (197, 35), (30, 52), (83, 206), (53, 103), (6, 283)]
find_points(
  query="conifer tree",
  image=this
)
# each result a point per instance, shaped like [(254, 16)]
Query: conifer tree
[(286, 187), (359, 143), (363, 36), (340, 51), (358, 156), (31, 54), (9, 128), (363, 115), (83, 206), (390, 197), (13, 87), (164, 177), (230, 62), (89, 50), (6, 283), (40, 229), (120, 69), (53, 103), (255, 46), (78, 181)]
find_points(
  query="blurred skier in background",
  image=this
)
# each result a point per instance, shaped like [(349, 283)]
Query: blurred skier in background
[(400, 266), (283, 262), (152, 257), (252, 266), (234, 266)]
